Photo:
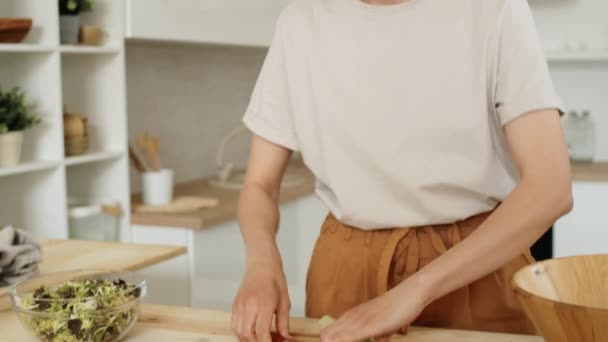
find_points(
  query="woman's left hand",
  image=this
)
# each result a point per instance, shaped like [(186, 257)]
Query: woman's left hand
[(381, 317)]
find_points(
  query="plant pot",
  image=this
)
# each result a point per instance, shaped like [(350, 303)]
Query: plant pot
[(69, 27), (10, 148)]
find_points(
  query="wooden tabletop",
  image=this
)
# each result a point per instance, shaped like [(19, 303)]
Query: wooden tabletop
[(590, 172), (65, 255), (162, 323), (228, 202)]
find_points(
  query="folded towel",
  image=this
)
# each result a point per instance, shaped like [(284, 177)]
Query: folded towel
[(19, 255)]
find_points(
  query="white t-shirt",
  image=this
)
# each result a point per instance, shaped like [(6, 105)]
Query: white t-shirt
[(399, 110)]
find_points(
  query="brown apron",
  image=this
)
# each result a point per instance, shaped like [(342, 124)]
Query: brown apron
[(351, 266)]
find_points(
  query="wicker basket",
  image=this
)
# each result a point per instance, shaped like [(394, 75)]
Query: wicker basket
[(14, 30)]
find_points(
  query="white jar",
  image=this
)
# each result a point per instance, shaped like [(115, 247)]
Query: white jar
[(10, 148), (157, 187)]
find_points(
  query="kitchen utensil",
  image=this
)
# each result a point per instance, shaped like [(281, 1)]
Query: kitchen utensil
[(150, 147), (179, 205), (137, 162), (567, 298), (91, 35), (100, 222), (157, 187), (14, 30), (79, 314)]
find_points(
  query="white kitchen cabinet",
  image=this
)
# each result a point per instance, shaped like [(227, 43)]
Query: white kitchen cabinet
[(234, 22), (585, 229), (211, 273)]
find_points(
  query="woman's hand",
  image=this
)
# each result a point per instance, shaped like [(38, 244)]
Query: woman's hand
[(381, 317), (263, 294)]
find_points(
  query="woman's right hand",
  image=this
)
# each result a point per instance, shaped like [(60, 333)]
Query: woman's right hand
[(262, 296)]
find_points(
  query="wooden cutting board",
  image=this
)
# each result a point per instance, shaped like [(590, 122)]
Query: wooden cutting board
[(163, 323), (179, 205)]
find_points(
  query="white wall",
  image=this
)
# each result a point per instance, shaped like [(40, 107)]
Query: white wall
[(190, 96), (560, 20), (581, 85)]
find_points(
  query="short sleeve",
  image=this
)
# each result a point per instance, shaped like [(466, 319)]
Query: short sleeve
[(523, 81), (269, 112)]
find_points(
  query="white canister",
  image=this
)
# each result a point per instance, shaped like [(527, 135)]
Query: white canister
[(10, 148), (95, 222), (157, 187)]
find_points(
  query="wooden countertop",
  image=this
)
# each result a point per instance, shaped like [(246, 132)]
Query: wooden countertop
[(65, 255), (590, 172), (226, 211), (227, 208), (161, 323)]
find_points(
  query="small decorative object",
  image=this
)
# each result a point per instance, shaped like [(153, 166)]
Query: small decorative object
[(15, 117), (14, 30), (69, 19), (91, 35), (75, 134)]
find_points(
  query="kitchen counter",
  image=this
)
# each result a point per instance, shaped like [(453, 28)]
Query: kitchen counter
[(228, 202), (64, 255), (590, 172), (161, 323), (227, 209)]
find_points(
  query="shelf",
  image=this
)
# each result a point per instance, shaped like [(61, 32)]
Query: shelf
[(599, 55), (83, 49), (92, 157), (28, 167), (20, 48)]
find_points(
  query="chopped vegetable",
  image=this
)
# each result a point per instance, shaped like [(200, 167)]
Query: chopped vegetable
[(92, 310)]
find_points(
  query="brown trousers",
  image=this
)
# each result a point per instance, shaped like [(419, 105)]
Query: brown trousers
[(351, 266)]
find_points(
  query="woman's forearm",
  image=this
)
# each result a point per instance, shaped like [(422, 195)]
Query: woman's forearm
[(517, 223), (258, 215)]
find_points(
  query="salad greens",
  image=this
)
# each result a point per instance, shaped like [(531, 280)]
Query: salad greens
[(93, 310)]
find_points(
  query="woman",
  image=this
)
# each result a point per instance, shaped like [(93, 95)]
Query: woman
[(433, 130)]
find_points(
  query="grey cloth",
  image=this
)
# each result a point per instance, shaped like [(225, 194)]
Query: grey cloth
[(20, 255)]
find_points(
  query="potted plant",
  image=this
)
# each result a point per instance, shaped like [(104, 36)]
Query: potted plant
[(15, 117), (69, 18)]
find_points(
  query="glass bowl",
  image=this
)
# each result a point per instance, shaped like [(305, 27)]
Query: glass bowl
[(74, 306)]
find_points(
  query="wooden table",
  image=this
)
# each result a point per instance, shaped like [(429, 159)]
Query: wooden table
[(64, 255), (161, 323)]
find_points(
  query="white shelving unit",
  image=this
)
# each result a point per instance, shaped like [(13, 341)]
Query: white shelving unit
[(88, 80), (599, 55)]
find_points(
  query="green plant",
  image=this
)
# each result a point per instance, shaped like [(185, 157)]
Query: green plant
[(15, 113), (74, 7)]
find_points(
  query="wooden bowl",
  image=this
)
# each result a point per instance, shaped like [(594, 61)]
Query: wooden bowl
[(567, 298), (13, 30)]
